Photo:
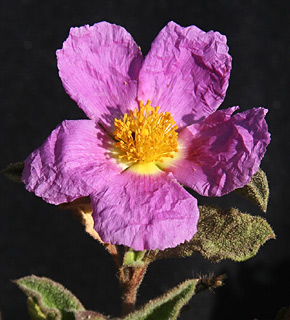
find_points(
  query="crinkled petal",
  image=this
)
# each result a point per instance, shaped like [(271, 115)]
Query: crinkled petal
[(73, 162), (186, 72), (144, 211), (222, 153), (99, 66)]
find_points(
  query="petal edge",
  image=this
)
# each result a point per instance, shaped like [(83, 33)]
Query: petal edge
[(186, 72), (71, 163), (144, 212), (99, 66), (222, 153)]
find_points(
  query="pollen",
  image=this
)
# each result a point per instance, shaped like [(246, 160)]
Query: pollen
[(146, 135)]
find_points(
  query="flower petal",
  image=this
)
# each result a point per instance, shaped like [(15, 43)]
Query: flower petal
[(222, 153), (144, 211), (186, 72), (72, 163), (99, 66)]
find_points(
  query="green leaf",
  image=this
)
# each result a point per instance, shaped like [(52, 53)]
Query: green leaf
[(168, 306), (89, 315), (133, 258), (48, 299), (34, 310), (224, 234), (14, 171), (257, 190)]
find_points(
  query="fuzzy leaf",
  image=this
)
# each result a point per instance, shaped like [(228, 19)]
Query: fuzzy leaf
[(224, 234), (35, 311), (168, 306), (133, 258), (14, 171), (48, 299), (257, 190), (88, 315)]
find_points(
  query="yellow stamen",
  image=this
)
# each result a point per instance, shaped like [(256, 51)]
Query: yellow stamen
[(146, 135)]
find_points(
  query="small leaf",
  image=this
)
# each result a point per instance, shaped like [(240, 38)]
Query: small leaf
[(14, 171), (257, 190), (133, 258), (48, 299), (225, 234), (168, 306)]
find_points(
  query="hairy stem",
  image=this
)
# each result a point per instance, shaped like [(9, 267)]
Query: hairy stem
[(130, 279)]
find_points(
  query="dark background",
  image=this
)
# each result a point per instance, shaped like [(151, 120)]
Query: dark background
[(37, 238)]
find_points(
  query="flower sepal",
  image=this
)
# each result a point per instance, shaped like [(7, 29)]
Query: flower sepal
[(134, 258), (82, 210)]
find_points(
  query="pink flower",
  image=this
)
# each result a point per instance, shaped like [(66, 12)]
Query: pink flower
[(131, 156)]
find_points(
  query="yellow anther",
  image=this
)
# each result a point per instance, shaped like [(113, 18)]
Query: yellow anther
[(146, 135)]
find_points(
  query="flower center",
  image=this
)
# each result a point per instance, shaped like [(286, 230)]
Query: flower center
[(147, 135)]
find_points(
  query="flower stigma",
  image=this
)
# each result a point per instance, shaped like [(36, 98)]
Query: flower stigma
[(145, 137)]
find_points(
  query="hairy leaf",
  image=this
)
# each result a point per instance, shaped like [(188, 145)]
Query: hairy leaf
[(257, 190), (36, 313), (89, 315), (48, 299), (34, 310), (168, 306), (224, 234), (14, 171)]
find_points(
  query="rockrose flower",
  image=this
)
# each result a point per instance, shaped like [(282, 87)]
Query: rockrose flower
[(153, 127)]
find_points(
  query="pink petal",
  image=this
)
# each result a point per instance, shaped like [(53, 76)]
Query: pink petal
[(99, 66), (222, 153), (144, 212), (186, 72), (72, 163)]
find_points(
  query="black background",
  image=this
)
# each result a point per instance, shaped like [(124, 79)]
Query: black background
[(37, 238)]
